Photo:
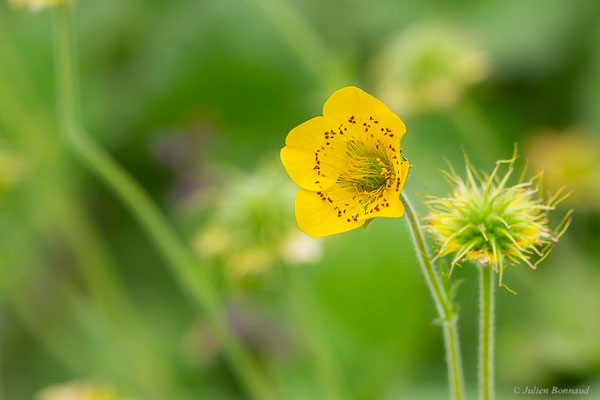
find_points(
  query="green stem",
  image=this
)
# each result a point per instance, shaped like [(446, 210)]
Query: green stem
[(486, 334), (54, 188), (442, 302), (310, 324), (178, 256), (306, 43)]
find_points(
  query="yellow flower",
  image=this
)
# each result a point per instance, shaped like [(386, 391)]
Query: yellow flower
[(35, 4), (347, 163)]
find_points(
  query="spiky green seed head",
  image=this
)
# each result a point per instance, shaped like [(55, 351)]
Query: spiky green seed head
[(490, 222)]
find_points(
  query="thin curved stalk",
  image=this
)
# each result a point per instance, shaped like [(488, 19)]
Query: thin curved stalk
[(442, 302), (177, 255), (486, 334), (306, 43)]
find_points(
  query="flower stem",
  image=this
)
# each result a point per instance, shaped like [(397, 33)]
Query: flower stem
[(486, 334), (442, 302), (177, 255), (306, 43)]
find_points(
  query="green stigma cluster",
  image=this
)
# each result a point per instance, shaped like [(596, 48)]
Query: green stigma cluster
[(487, 221), (369, 168)]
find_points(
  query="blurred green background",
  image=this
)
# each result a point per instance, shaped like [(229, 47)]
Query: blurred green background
[(195, 99)]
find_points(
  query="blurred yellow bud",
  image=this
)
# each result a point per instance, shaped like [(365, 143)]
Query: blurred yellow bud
[(250, 261), (76, 391), (571, 157), (299, 248), (35, 5), (428, 67), (11, 169), (251, 225), (212, 241)]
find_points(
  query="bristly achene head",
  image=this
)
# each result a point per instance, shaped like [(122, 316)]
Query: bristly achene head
[(491, 223)]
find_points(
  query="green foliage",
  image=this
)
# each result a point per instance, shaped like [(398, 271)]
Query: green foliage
[(231, 77)]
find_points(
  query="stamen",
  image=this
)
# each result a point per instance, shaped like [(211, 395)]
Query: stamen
[(368, 170)]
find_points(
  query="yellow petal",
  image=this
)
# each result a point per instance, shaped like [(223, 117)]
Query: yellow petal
[(352, 101), (317, 216), (403, 174), (389, 130), (314, 155), (392, 206), (363, 117)]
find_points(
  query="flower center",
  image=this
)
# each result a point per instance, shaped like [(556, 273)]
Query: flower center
[(368, 169)]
